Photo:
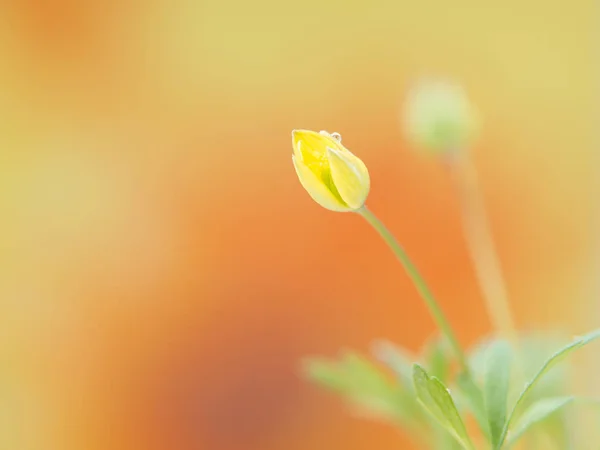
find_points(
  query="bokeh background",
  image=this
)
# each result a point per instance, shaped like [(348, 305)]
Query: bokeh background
[(162, 272)]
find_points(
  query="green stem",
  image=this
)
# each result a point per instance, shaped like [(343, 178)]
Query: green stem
[(419, 283), (481, 248)]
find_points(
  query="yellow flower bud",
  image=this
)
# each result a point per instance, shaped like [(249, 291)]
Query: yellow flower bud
[(334, 177), (439, 117)]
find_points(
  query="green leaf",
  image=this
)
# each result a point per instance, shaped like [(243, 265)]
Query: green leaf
[(397, 359), (473, 397), (368, 390), (537, 413), (363, 372), (532, 349), (437, 357), (495, 388), (326, 372), (441, 439), (556, 358), (438, 402)]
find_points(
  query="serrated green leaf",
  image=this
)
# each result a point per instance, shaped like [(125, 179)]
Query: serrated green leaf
[(367, 389), (532, 350), (421, 382), (559, 429), (325, 372), (473, 397), (495, 388), (537, 413), (442, 397), (441, 439), (437, 401), (364, 373), (399, 361), (437, 357), (555, 359)]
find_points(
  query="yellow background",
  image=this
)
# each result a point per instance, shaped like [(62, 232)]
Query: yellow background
[(162, 271)]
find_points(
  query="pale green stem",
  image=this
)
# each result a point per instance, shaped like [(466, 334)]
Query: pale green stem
[(481, 248), (419, 283), (482, 252)]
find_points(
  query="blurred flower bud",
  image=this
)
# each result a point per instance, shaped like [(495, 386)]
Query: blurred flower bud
[(439, 117), (334, 177)]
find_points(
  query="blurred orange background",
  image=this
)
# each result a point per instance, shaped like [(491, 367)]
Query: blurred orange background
[(162, 270)]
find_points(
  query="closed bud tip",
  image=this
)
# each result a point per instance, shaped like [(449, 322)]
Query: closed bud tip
[(439, 117)]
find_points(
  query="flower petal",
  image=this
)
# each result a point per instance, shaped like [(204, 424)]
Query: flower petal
[(316, 188), (350, 176), (310, 146)]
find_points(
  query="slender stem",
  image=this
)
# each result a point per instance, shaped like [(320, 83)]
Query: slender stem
[(483, 254), (481, 248), (419, 283)]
